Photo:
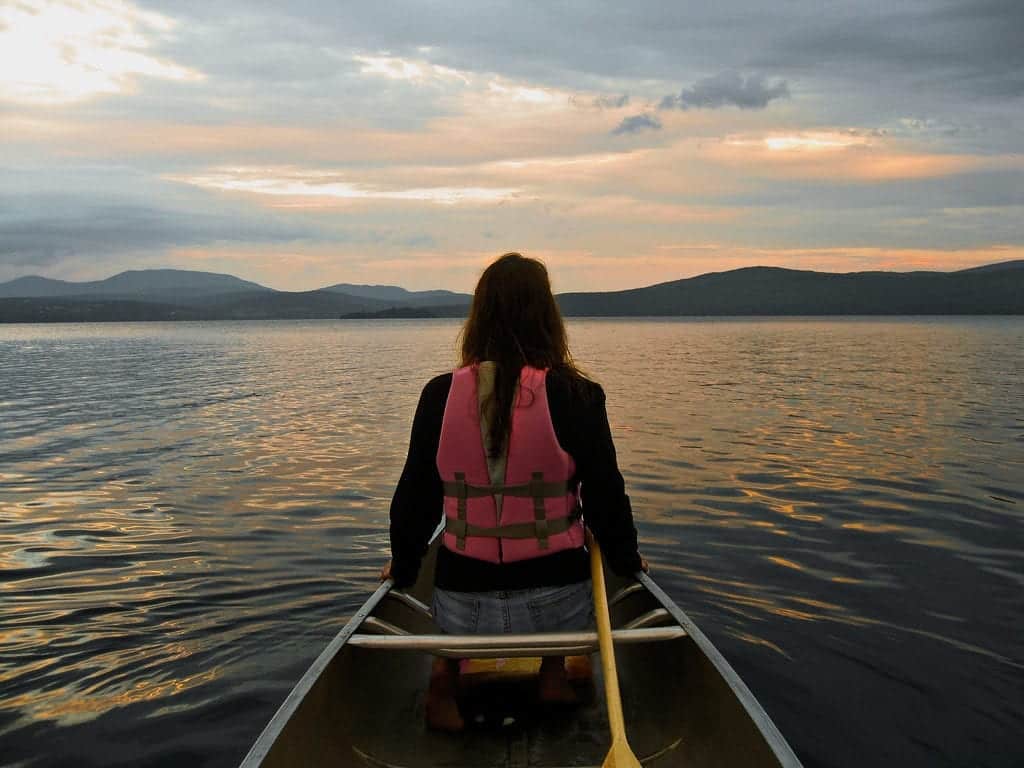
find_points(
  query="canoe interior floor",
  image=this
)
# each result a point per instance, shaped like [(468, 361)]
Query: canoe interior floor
[(506, 725)]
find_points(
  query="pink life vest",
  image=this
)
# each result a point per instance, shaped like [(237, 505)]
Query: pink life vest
[(539, 508)]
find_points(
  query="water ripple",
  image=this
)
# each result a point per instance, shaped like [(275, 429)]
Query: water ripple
[(189, 511)]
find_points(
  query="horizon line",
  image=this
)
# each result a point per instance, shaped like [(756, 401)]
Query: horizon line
[(469, 293)]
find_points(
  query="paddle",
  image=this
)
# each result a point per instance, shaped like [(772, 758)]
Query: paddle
[(620, 755)]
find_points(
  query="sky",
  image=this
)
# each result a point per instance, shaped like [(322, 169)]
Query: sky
[(313, 142)]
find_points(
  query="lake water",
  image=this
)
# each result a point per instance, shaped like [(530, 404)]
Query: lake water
[(189, 512)]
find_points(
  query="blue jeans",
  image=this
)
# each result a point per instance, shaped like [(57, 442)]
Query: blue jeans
[(568, 608)]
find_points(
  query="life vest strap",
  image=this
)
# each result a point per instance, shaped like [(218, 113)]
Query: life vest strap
[(460, 529), (461, 493), (537, 489), (540, 521), (460, 489)]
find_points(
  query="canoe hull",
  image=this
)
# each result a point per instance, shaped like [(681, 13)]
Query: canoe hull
[(360, 706)]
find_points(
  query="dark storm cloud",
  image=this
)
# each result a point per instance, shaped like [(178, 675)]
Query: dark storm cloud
[(636, 123), (728, 89), (44, 229)]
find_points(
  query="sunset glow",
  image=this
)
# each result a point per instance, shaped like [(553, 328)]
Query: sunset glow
[(813, 142), (320, 184), (55, 52), (349, 143)]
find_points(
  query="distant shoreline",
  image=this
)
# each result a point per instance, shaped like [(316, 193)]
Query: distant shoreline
[(181, 295), (653, 318)]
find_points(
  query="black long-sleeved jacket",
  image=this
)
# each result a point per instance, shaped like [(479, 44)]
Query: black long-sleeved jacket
[(581, 426)]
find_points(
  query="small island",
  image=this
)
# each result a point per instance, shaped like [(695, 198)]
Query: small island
[(400, 313)]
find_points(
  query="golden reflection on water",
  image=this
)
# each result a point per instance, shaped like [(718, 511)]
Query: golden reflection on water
[(787, 509), (750, 639), (68, 706), (869, 527), (785, 563)]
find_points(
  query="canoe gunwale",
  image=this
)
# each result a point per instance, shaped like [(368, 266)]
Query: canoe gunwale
[(295, 697), (776, 741), (686, 628), (410, 602)]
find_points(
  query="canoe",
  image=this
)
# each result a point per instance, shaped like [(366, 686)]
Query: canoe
[(361, 703)]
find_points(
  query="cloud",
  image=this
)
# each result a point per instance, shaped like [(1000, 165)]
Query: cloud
[(918, 58), (316, 185), (611, 102), (395, 68), (841, 157), (928, 127), (38, 230), (637, 123), (905, 113), (728, 89), (992, 189), (971, 48), (59, 52)]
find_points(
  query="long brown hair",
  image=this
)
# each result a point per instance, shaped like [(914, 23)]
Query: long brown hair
[(514, 321)]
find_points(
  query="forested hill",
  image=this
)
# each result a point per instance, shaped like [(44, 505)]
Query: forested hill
[(994, 289), (183, 295)]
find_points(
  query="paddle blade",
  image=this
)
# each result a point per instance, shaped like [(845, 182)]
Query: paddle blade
[(620, 756)]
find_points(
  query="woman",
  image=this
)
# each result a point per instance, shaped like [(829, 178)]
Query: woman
[(511, 446)]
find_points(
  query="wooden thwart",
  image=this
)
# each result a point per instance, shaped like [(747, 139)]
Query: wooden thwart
[(506, 646)]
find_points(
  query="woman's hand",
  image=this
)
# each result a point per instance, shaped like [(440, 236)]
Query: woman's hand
[(644, 565), (385, 572)]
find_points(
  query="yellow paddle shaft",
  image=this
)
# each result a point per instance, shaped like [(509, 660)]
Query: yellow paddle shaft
[(604, 637)]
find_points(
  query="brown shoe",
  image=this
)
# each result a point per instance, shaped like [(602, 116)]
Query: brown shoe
[(442, 710), (553, 684)]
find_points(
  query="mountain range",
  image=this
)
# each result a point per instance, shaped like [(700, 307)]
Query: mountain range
[(170, 294)]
